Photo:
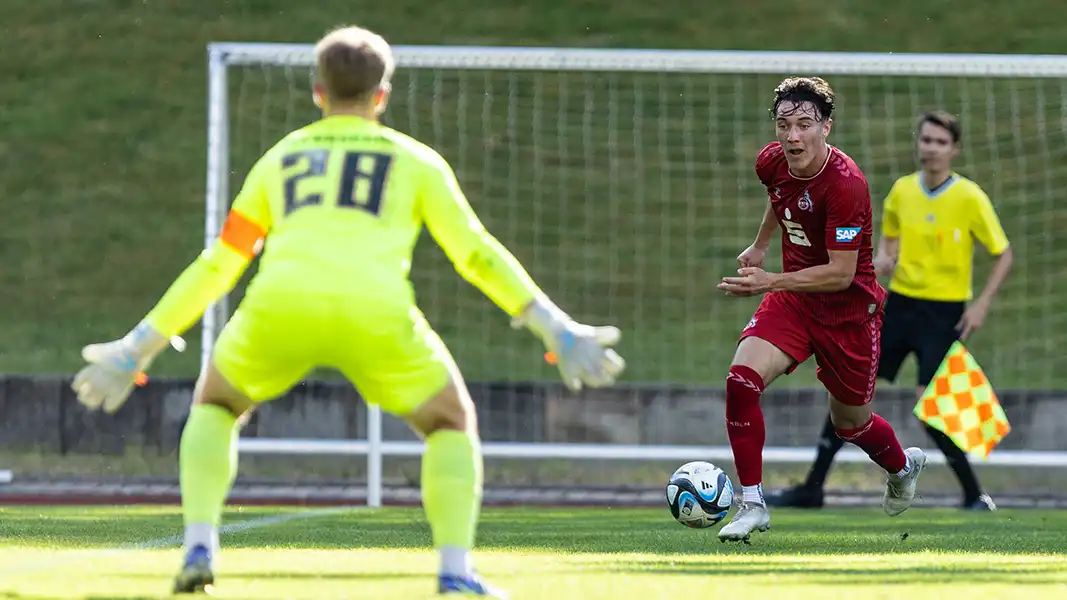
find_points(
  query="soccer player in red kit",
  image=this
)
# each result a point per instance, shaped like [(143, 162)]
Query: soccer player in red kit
[(826, 303)]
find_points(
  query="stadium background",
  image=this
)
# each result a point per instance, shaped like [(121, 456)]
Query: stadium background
[(102, 161)]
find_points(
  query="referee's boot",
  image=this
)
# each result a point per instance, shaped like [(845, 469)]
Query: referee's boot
[(798, 496), (982, 503)]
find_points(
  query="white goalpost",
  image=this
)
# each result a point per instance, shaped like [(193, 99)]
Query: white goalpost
[(623, 178)]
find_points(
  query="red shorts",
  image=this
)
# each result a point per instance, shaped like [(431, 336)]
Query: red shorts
[(847, 354)]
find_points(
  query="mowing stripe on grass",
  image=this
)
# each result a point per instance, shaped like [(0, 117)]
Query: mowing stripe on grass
[(176, 540)]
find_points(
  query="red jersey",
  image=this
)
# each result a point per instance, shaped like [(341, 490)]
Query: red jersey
[(828, 211)]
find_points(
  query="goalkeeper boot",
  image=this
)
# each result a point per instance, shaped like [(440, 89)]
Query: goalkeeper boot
[(468, 585), (801, 496), (197, 574), (900, 490), (750, 517)]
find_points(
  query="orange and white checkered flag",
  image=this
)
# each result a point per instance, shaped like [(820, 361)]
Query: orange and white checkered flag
[(960, 402)]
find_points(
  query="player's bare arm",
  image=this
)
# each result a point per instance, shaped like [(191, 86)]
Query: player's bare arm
[(834, 276), (754, 255), (975, 315), (990, 234)]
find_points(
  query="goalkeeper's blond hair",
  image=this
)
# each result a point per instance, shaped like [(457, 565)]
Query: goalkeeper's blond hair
[(353, 64)]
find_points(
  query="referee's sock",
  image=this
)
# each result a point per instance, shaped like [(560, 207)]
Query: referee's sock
[(958, 462), (827, 449)]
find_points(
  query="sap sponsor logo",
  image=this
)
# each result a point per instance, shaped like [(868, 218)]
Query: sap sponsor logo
[(846, 234)]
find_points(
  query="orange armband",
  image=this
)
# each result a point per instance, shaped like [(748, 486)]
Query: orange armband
[(242, 234)]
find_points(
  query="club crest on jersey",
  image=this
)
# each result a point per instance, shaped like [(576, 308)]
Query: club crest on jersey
[(805, 202), (846, 234)]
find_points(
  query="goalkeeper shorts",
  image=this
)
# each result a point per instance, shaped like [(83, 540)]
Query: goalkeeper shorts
[(390, 354)]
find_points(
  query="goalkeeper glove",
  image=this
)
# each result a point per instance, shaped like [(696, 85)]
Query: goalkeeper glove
[(582, 352), (114, 367)]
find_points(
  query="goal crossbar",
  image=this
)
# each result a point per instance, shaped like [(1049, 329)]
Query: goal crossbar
[(675, 61)]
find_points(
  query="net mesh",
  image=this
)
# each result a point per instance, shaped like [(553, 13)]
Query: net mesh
[(627, 195)]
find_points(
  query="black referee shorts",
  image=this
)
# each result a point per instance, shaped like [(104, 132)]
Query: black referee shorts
[(925, 327)]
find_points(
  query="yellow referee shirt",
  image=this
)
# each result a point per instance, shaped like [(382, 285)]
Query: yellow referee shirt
[(937, 230)]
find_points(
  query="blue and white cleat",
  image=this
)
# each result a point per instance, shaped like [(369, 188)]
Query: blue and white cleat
[(196, 575), (470, 585)]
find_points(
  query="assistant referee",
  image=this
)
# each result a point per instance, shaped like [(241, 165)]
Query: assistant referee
[(931, 221)]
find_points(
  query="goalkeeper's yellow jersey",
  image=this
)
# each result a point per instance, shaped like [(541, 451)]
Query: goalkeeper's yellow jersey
[(336, 207)]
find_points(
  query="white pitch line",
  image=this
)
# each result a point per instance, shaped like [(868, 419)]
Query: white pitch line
[(175, 540)]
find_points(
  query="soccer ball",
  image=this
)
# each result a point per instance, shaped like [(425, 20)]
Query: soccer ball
[(699, 494)]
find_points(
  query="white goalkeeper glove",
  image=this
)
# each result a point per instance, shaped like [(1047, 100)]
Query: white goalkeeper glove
[(115, 367), (582, 353)]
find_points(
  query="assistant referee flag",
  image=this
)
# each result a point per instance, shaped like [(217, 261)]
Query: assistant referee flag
[(961, 403)]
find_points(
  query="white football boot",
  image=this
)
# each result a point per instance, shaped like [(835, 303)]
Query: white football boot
[(900, 491), (748, 518)]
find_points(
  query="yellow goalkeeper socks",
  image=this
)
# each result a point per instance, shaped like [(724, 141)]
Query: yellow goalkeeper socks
[(452, 495), (208, 465)]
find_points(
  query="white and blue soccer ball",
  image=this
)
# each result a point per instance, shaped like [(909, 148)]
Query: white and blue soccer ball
[(699, 494)]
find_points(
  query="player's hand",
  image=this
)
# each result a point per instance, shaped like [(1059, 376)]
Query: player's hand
[(884, 265), (582, 353), (753, 281), (753, 256), (114, 367), (973, 318)]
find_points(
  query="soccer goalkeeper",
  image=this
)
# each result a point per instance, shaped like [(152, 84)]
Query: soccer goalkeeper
[(336, 208)]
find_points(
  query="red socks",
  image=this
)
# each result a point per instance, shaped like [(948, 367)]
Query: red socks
[(744, 423), (876, 438), (747, 432)]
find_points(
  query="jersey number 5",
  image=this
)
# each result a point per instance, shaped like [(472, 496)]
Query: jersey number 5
[(362, 179), (796, 233)]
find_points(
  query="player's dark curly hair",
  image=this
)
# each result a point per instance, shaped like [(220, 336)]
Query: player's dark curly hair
[(797, 90)]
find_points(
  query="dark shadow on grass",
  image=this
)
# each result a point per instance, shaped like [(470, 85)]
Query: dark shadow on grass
[(17, 596), (836, 572), (662, 536), (123, 597), (227, 578), (595, 531)]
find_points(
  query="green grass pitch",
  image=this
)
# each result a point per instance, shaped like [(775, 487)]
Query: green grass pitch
[(588, 554)]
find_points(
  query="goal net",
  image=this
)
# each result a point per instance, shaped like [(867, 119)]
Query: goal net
[(623, 180)]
